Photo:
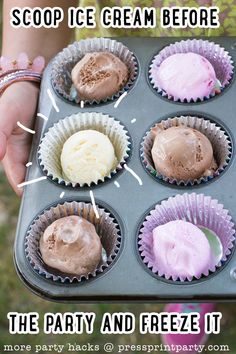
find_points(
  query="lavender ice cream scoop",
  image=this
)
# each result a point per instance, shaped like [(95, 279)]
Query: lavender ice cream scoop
[(186, 75), (181, 249)]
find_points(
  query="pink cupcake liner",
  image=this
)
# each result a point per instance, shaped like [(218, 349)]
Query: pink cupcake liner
[(216, 55), (69, 57), (220, 140), (198, 209), (106, 226)]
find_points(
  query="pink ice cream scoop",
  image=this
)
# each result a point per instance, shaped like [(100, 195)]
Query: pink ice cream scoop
[(185, 76), (181, 250)]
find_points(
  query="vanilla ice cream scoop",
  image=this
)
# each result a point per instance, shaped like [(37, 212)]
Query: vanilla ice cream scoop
[(182, 153), (87, 156), (71, 245)]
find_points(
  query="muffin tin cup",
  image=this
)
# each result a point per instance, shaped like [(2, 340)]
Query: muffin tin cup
[(220, 140), (106, 227), (216, 55), (198, 209), (69, 57), (50, 148)]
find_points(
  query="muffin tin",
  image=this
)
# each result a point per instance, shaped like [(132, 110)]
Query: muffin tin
[(128, 279)]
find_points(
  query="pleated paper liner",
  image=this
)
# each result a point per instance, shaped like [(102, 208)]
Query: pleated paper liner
[(216, 55), (52, 143), (69, 57), (106, 227), (198, 209), (220, 140)]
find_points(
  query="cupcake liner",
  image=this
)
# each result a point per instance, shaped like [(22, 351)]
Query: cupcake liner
[(52, 143), (68, 58), (106, 227), (216, 55), (221, 143), (198, 209)]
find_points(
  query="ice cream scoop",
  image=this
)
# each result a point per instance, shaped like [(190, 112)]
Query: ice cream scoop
[(71, 245), (87, 156), (186, 76), (182, 153), (181, 249), (99, 75)]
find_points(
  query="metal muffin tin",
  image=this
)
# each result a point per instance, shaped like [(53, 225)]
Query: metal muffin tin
[(128, 279)]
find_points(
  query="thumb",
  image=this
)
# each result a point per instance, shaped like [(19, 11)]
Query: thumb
[(3, 145)]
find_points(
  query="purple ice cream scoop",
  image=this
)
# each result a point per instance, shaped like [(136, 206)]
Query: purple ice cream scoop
[(186, 76), (181, 250)]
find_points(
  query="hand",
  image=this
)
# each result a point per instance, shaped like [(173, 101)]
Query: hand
[(18, 103)]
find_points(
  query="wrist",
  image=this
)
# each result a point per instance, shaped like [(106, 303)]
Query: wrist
[(21, 89), (27, 85)]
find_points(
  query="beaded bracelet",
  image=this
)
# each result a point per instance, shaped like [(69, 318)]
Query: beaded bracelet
[(21, 69)]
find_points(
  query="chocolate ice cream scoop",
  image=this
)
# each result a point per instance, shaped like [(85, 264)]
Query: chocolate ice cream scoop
[(99, 75), (71, 245), (182, 153)]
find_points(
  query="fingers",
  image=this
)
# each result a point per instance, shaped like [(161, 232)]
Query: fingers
[(16, 157), (18, 103), (3, 145), (15, 173), (7, 119)]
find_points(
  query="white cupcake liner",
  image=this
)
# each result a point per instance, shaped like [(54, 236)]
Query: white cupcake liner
[(216, 55), (106, 227), (221, 143), (50, 148), (198, 209), (69, 57)]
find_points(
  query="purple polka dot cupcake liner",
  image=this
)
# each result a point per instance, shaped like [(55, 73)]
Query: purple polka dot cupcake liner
[(214, 53), (106, 227), (220, 140), (198, 209), (65, 61)]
